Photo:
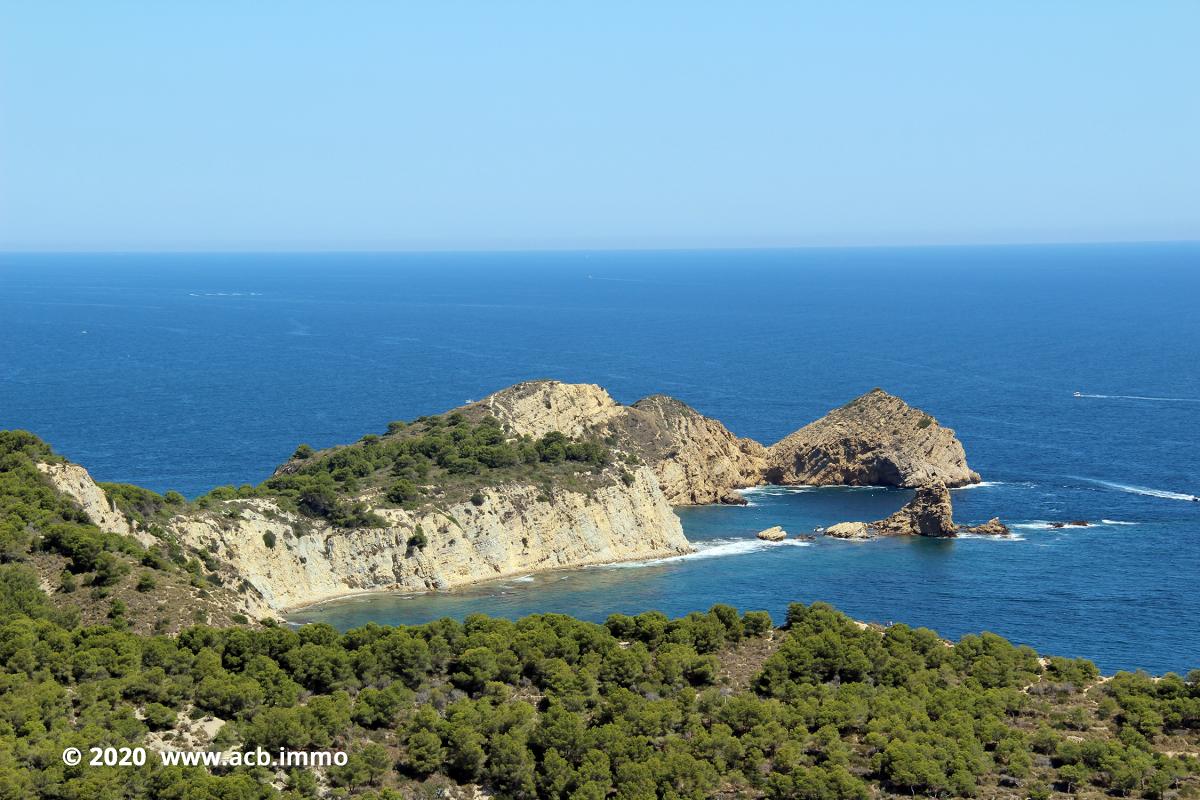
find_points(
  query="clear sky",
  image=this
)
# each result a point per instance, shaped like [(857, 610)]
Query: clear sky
[(464, 125)]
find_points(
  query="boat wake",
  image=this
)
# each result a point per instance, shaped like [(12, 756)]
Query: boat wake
[(980, 485), (715, 548), (1143, 490), (1139, 397)]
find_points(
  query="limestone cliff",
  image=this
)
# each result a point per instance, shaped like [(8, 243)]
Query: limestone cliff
[(696, 458), (75, 482), (876, 439), (293, 560)]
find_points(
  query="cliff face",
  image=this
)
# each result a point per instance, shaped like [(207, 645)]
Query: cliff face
[(696, 458), (877, 439), (75, 482), (292, 560)]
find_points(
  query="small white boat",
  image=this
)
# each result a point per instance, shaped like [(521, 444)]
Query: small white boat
[(1079, 394)]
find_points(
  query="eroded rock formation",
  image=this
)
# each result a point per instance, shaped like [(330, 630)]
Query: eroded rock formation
[(929, 513), (874, 440), (696, 458)]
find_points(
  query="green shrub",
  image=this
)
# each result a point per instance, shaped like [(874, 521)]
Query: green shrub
[(756, 623), (417, 541)]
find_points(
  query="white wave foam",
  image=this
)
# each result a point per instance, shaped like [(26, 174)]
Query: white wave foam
[(1140, 397), (980, 485), (1143, 490), (1036, 525), (716, 548), (1012, 537), (1042, 525), (523, 579), (775, 490)]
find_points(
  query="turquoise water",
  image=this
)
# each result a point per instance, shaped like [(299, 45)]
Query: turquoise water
[(187, 372)]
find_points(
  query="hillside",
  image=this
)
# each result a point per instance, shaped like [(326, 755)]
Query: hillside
[(716, 704)]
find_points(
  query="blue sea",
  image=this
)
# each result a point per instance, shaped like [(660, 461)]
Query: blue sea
[(190, 371)]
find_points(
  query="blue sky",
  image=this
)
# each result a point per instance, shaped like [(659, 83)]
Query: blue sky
[(469, 125)]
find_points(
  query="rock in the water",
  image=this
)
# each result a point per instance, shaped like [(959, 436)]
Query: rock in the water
[(732, 498), (849, 530), (929, 513), (875, 440), (993, 527), (775, 533)]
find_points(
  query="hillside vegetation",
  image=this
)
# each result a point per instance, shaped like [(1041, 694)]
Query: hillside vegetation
[(715, 704), (48, 542), (434, 460)]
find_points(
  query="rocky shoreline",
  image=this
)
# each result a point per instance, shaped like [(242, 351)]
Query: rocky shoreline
[(662, 454)]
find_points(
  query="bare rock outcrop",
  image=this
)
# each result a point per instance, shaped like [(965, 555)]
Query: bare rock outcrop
[(535, 408), (775, 533), (696, 458), (875, 440), (75, 482), (928, 513), (850, 530), (993, 527)]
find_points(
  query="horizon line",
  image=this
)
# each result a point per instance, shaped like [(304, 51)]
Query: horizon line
[(582, 250)]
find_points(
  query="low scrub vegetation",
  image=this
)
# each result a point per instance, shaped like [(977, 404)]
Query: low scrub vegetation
[(437, 459)]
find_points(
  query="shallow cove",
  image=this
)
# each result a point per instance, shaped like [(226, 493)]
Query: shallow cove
[(1037, 587)]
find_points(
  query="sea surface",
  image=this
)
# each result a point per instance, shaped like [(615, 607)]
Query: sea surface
[(190, 371)]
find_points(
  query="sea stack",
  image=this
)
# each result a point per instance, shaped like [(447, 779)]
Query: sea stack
[(929, 513)]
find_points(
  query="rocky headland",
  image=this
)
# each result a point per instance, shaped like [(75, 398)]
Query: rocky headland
[(874, 440), (538, 476)]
